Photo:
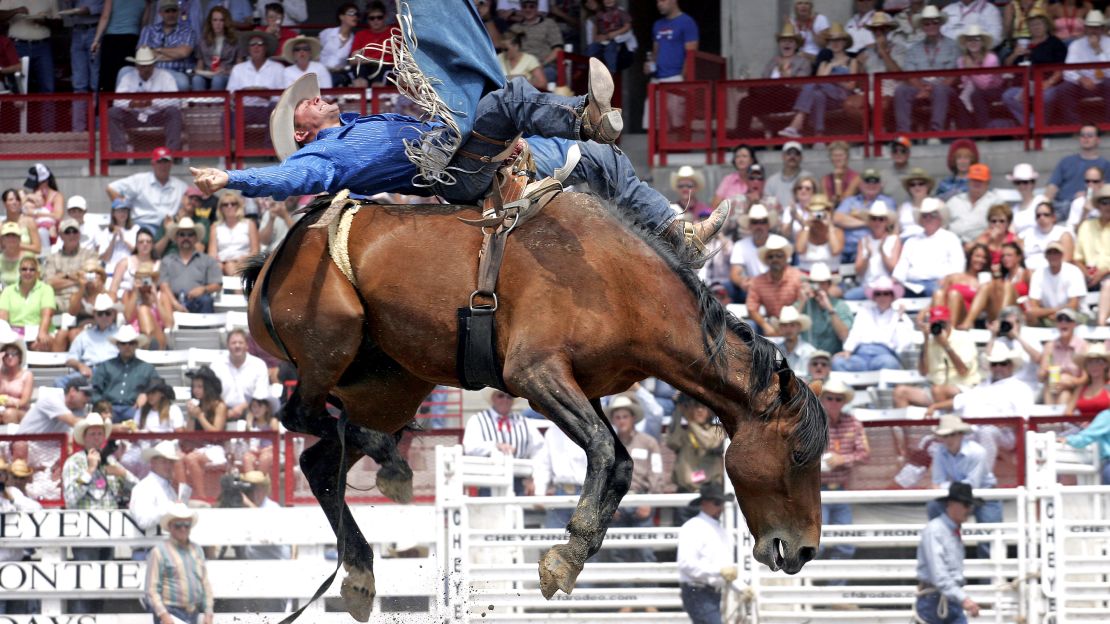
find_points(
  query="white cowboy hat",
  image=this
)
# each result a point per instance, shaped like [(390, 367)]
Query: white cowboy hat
[(1094, 19), (187, 223), (1022, 171), (1001, 353), (287, 48), (758, 211), (1096, 351), (687, 172), (879, 210), (930, 12), (775, 243), (143, 56), (930, 205), (836, 386), (951, 423), (125, 333), (103, 302), (9, 337), (624, 401), (487, 396), (281, 119), (790, 314), (819, 272), (884, 283), (974, 30), (178, 511), (166, 449), (92, 420)]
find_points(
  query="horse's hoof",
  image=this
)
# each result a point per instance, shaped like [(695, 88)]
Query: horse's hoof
[(557, 571), (399, 490), (358, 592)]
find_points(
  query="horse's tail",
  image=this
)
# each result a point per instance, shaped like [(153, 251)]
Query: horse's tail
[(252, 268)]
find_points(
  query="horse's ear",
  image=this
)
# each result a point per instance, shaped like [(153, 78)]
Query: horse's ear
[(786, 378), (816, 386)]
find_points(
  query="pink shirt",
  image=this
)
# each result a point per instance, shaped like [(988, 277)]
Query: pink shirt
[(982, 81), (731, 186)]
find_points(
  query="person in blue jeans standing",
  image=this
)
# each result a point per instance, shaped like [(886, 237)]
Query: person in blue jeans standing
[(958, 459), (705, 564), (847, 448), (941, 598)]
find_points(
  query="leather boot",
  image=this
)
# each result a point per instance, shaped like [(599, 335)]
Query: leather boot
[(689, 239), (600, 121)]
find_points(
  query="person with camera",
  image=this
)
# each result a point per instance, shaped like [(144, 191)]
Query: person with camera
[(1003, 395), (1007, 331), (145, 306), (820, 240), (154, 495), (949, 361), (830, 317), (93, 345)]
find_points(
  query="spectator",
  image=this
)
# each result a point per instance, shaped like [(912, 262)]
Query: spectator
[(810, 25), (76, 207), (1068, 180), (1097, 431), (1093, 47), (151, 195), (831, 318), (816, 98), (819, 366), (123, 275), (11, 253), (92, 481), (1093, 396), (122, 379), (958, 459), (258, 71), (274, 23), (154, 495), (874, 340), (217, 51), (16, 381), (510, 10), (857, 25), (782, 185), (205, 411), (29, 305), (790, 325), (177, 586), (146, 308), (1040, 48), (560, 470), (379, 57), (93, 345), (735, 184), (899, 167), (29, 241), (755, 195), (542, 37), (82, 304), (335, 44), (159, 413), (934, 52), (117, 36), (1060, 370), (949, 361), (780, 286), (1054, 287), (848, 447), (260, 417), (303, 55), (962, 154), (977, 91), (940, 560), (674, 34), (919, 185), (963, 14), (705, 557), (852, 212), (1091, 250), (14, 499), (688, 182), (11, 67), (56, 412), (242, 375), (612, 28), (746, 259), (117, 241), (698, 443), (189, 278), (968, 210), (958, 290), (171, 44), (515, 62), (1006, 331), (1009, 283), (1082, 207), (820, 240), (878, 252), (842, 181), (258, 498), (999, 231), (1068, 18), (624, 412), (64, 267), (788, 63), (42, 200), (234, 237), (887, 49), (276, 221), (796, 212), (1024, 179), (28, 28), (502, 430), (1003, 395), (485, 11)]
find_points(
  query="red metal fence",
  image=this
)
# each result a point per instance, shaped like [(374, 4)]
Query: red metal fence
[(48, 127)]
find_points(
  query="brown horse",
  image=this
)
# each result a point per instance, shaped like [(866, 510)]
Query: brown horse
[(588, 306)]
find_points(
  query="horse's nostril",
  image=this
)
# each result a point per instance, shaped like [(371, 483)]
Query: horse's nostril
[(806, 554)]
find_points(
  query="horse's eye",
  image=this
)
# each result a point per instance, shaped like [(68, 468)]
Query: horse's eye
[(798, 458)]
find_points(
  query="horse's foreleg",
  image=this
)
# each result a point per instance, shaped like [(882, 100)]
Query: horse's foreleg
[(320, 465)]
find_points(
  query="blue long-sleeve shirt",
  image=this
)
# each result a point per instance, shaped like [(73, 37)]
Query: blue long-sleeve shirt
[(967, 466), (1097, 431), (940, 558)]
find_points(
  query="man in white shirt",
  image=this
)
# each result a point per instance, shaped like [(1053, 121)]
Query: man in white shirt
[(1055, 287), (57, 412), (560, 471), (968, 210), (303, 55), (705, 562), (244, 376), (153, 195), (745, 260), (160, 112), (76, 208), (259, 498), (781, 184), (963, 13), (1092, 47), (1007, 331), (930, 256), (501, 430), (1003, 395), (258, 72), (153, 496)]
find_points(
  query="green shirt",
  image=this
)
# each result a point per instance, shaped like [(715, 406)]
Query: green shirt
[(120, 382), (26, 311), (821, 333)]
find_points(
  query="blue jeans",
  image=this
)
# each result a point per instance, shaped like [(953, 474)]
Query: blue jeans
[(1060, 101), (41, 71), (608, 52), (856, 293), (814, 101), (203, 304), (179, 613), (180, 77), (867, 357), (988, 512), (626, 518), (702, 604), (215, 83), (559, 517), (95, 553), (1106, 472), (926, 607), (86, 71), (929, 287), (1014, 99), (837, 514), (904, 97)]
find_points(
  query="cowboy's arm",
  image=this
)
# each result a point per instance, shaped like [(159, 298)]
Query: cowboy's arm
[(305, 176), (934, 557)]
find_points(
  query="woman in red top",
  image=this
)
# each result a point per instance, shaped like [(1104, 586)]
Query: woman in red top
[(1009, 283), (1092, 397), (381, 59), (999, 219)]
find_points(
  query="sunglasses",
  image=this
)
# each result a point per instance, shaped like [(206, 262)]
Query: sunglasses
[(170, 10), (876, 218), (257, 44), (757, 176), (686, 186), (757, 222), (133, 343), (71, 231), (105, 313), (821, 363), (832, 398), (871, 180), (1064, 319), (998, 221), (930, 215), (27, 269), (900, 149), (229, 204), (883, 293), (186, 234), (1023, 182), (930, 22), (1007, 363), (1044, 214), (13, 353), (301, 48), (375, 18), (181, 525), (917, 183), (1093, 181)]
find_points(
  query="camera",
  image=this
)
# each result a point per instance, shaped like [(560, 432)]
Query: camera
[(820, 216), (146, 281), (936, 328), (231, 491), (1005, 327)]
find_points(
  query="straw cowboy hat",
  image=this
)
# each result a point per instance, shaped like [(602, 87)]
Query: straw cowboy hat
[(836, 31), (1001, 353), (20, 469), (951, 423), (974, 30), (884, 283), (1094, 19), (881, 20), (820, 202), (281, 119), (1103, 192), (819, 272), (1041, 14), (775, 243), (287, 48), (1096, 351), (178, 511), (256, 477), (930, 12), (92, 420), (166, 449), (758, 212), (789, 32), (836, 386), (917, 173), (960, 492), (143, 56), (9, 337), (790, 314), (186, 223), (624, 401), (1022, 172), (686, 172)]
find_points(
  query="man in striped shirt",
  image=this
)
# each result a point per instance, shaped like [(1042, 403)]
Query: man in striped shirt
[(847, 448), (176, 578), (500, 430)]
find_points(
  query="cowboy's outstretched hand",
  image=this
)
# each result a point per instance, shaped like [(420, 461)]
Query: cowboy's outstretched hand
[(208, 179)]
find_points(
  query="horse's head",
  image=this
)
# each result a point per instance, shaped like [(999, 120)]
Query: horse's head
[(774, 464)]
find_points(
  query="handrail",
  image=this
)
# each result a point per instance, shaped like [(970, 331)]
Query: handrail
[(25, 144)]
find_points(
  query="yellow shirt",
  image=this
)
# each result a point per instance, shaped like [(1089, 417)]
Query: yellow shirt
[(941, 371), (1092, 247)]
